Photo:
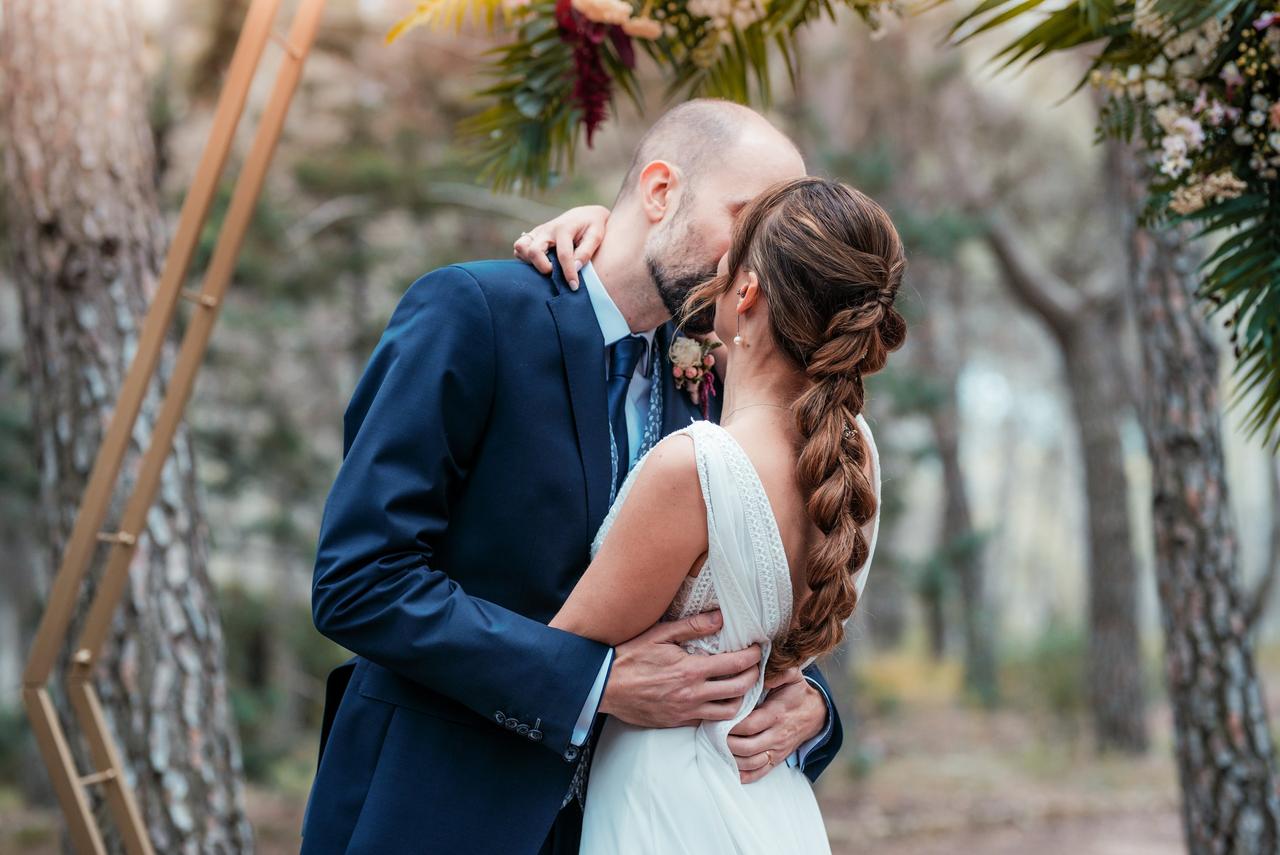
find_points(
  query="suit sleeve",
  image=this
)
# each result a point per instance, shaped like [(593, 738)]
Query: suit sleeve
[(820, 755), (410, 433)]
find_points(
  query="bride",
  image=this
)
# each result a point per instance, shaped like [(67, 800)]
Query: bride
[(771, 517)]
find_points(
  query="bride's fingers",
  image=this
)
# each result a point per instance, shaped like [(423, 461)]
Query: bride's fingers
[(564, 239), (756, 723), (748, 746), (588, 242), (755, 761), (791, 675), (532, 249)]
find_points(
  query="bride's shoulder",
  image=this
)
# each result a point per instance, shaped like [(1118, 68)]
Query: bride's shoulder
[(675, 456), (664, 492)]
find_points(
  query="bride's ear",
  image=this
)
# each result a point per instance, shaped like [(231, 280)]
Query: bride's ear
[(748, 286)]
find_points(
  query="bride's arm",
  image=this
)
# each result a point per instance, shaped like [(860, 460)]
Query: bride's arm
[(576, 235), (659, 535)]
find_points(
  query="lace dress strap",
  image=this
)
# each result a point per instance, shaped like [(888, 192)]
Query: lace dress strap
[(860, 577)]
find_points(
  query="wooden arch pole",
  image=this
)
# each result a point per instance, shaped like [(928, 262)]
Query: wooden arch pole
[(73, 787)]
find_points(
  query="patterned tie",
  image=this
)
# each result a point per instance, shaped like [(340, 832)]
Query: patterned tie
[(624, 355)]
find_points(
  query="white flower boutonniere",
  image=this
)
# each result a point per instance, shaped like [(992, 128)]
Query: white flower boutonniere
[(691, 363)]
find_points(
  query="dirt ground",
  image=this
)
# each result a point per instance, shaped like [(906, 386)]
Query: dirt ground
[(939, 780), (956, 781)]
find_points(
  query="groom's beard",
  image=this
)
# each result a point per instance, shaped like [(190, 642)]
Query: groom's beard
[(674, 286)]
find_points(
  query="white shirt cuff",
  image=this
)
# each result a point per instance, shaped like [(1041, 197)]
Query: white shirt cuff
[(582, 729), (797, 757)]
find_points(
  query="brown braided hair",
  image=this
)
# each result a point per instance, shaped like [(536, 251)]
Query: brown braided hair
[(829, 262)]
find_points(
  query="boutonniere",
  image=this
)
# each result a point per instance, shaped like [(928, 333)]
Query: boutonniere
[(691, 363)]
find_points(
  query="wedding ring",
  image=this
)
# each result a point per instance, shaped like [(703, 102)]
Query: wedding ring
[(768, 756), (523, 235)]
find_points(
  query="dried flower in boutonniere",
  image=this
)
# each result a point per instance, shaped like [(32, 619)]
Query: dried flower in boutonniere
[(691, 364)]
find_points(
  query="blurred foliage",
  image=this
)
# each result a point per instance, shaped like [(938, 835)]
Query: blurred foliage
[(558, 73), (15, 737), (1241, 278), (276, 667), (893, 678), (1048, 676)]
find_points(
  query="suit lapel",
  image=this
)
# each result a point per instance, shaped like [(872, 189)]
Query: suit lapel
[(582, 347)]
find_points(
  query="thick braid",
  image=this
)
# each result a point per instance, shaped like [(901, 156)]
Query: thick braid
[(830, 470), (829, 262)]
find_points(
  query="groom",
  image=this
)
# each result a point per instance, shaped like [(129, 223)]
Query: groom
[(482, 447)]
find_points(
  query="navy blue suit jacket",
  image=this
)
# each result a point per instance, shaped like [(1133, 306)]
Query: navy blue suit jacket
[(475, 473)]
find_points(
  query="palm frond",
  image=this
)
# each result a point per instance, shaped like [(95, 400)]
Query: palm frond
[(441, 14), (528, 134), (1241, 279)]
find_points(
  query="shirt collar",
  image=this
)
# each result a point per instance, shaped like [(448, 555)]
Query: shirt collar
[(613, 326)]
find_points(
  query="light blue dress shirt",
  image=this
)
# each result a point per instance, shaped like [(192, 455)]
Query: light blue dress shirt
[(614, 327)]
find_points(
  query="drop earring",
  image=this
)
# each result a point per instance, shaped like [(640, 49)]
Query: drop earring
[(738, 340)]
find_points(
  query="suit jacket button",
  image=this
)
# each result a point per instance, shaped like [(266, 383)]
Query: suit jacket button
[(499, 717), (535, 735), (523, 730), (571, 753)]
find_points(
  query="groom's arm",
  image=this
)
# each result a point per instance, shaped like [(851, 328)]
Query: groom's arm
[(814, 755), (410, 433)]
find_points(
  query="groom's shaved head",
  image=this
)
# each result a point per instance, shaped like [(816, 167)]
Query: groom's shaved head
[(697, 136), (698, 166)]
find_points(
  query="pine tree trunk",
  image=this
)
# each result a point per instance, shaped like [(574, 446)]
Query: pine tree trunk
[(1230, 801), (1114, 673), (87, 242)]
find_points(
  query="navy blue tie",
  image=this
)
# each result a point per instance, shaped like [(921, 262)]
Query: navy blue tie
[(624, 354)]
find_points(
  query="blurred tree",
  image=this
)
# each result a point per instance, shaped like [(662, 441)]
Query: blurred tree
[(1257, 606), (1225, 751), (1087, 326), (1086, 322), (938, 351), (1224, 748), (86, 250), (896, 99)]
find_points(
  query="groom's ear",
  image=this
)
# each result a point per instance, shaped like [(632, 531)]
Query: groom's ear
[(659, 189)]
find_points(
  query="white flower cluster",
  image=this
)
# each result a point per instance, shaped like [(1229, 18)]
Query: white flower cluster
[(1193, 196), (604, 11), (722, 13), (723, 16), (617, 12), (1197, 113)]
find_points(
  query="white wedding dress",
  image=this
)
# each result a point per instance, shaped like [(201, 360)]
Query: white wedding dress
[(676, 791)]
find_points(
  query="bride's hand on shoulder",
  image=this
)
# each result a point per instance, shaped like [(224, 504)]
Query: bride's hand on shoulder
[(576, 235), (792, 714)]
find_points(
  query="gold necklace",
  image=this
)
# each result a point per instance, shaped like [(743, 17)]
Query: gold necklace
[(749, 406)]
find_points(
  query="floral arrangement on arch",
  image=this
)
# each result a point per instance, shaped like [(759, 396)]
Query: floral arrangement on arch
[(1213, 99), (554, 80), (1198, 82)]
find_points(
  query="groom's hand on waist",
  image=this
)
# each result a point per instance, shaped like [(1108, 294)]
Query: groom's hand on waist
[(655, 683)]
